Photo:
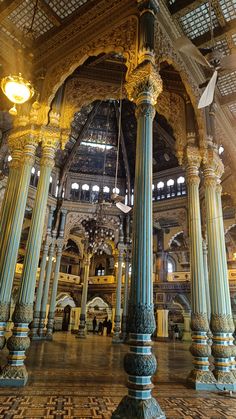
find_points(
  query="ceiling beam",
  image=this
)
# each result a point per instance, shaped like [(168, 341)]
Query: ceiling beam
[(17, 33), (228, 99), (218, 32), (74, 149), (124, 152), (180, 8), (49, 12), (7, 6)]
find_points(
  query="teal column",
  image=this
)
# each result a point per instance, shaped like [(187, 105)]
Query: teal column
[(143, 87), (82, 325), (126, 296), (117, 320), (15, 373), (205, 264), (12, 232), (42, 324), (52, 307), (221, 324), (200, 377), (5, 222), (225, 274), (37, 307)]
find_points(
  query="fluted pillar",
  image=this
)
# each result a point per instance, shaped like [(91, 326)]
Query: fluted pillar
[(205, 264), (117, 320), (59, 245), (143, 87), (221, 316), (49, 268), (37, 307), (200, 377), (7, 210), (126, 296), (187, 330), (82, 320), (15, 372), (13, 221)]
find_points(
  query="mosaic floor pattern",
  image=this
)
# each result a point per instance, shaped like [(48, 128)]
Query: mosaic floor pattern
[(84, 379)]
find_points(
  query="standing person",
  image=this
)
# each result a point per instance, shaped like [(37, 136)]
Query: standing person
[(176, 332), (94, 324), (109, 327), (105, 327)]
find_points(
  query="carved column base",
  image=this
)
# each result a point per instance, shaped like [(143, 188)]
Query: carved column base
[(4, 316), (41, 329), (117, 331), (13, 376), (82, 333), (130, 408), (49, 334), (35, 326)]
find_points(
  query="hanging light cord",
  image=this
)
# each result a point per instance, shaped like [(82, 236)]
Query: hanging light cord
[(118, 139), (211, 24)]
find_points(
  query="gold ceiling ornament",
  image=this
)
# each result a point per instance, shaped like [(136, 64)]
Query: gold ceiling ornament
[(17, 90)]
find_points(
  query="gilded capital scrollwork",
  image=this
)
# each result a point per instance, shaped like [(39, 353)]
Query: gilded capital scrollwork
[(144, 84)]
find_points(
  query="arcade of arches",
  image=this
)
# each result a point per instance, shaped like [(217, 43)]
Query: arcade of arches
[(118, 222)]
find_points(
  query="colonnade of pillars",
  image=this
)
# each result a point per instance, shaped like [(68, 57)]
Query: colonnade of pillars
[(23, 142)]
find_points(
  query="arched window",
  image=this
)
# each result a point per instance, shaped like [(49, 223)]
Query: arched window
[(170, 188), (50, 185), (32, 177), (95, 193), (171, 266), (9, 158), (132, 197), (106, 193), (116, 190), (74, 190), (160, 190), (85, 195), (221, 150), (181, 187)]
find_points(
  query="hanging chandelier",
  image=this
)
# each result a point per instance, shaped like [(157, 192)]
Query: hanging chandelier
[(17, 90)]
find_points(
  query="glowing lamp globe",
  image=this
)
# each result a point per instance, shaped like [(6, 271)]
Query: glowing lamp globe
[(17, 89)]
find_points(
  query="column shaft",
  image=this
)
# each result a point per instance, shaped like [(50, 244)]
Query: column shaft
[(12, 232), (126, 297), (15, 371), (46, 289), (117, 320), (82, 323), (221, 317), (200, 377), (54, 291)]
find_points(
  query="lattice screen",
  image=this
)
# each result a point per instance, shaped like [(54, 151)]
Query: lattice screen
[(22, 15), (65, 8), (228, 8), (197, 22), (227, 83)]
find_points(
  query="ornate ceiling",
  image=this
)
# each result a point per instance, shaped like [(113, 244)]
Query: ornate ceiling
[(193, 18)]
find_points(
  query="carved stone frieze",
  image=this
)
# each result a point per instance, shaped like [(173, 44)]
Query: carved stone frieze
[(120, 39)]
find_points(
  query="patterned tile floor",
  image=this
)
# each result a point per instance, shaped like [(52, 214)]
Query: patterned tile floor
[(84, 379)]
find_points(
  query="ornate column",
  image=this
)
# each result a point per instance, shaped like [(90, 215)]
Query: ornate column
[(52, 307), (117, 320), (82, 329), (187, 329), (37, 307), (126, 295), (5, 219), (221, 316), (15, 372), (41, 331), (162, 324), (200, 377), (205, 264), (143, 87), (28, 139)]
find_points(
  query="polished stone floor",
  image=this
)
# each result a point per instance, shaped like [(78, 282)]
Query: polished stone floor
[(73, 378)]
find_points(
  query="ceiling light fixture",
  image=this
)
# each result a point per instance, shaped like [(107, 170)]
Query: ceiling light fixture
[(17, 90)]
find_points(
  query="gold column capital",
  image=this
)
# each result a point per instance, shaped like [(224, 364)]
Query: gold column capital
[(213, 167), (144, 84), (192, 162)]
